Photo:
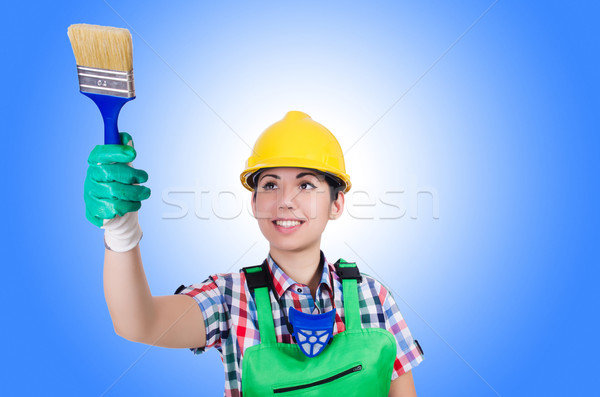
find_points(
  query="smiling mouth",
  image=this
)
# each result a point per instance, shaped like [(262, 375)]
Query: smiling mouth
[(287, 223)]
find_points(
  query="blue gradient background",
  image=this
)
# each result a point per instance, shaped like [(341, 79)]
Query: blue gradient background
[(500, 289)]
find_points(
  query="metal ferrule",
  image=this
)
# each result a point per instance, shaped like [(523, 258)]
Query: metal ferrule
[(106, 82)]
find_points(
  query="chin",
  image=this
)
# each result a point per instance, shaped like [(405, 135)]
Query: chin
[(292, 246)]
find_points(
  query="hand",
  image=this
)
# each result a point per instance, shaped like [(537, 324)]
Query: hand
[(109, 188)]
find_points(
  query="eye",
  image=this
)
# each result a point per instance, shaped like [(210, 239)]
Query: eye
[(307, 186), (269, 186)]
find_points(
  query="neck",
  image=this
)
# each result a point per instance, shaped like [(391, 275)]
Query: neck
[(303, 267)]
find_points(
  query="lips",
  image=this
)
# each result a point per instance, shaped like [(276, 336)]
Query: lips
[(287, 225)]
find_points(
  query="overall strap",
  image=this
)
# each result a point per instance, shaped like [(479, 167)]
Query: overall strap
[(350, 276), (257, 278)]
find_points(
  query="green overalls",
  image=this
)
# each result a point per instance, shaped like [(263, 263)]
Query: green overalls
[(358, 361)]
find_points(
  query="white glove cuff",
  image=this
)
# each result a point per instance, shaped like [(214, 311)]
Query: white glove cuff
[(122, 233)]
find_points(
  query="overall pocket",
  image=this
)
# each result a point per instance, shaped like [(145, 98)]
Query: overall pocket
[(338, 375)]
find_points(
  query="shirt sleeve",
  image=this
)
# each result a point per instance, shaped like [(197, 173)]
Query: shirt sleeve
[(408, 351), (214, 309)]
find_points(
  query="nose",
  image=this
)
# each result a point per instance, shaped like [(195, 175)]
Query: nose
[(287, 197)]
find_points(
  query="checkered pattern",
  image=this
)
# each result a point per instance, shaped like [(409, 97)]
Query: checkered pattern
[(231, 322)]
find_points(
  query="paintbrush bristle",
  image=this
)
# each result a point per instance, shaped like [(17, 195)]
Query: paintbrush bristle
[(102, 47)]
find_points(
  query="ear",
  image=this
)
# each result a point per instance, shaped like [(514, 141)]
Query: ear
[(337, 206)]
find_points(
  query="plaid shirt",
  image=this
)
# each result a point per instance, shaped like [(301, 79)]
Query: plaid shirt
[(231, 322)]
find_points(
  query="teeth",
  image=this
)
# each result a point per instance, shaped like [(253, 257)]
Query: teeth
[(287, 223)]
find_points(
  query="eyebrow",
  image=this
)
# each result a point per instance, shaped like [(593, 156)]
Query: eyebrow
[(300, 175)]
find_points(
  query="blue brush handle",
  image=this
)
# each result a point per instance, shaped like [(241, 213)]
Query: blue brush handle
[(109, 106)]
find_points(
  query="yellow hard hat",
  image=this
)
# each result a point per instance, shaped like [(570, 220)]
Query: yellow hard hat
[(297, 141)]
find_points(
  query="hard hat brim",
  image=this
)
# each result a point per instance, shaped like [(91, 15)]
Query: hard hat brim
[(246, 177)]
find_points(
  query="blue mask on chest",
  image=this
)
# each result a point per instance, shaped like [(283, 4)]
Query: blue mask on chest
[(312, 332)]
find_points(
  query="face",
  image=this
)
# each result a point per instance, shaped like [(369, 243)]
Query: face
[(292, 207)]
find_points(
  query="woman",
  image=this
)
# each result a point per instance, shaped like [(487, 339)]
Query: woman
[(295, 325)]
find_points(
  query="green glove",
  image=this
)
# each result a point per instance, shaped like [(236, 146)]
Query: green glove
[(109, 188)]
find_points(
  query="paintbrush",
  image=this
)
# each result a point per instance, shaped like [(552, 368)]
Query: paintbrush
[(104, 57)]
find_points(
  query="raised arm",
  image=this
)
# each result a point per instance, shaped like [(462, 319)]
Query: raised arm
[(167, 321), (113, 196)]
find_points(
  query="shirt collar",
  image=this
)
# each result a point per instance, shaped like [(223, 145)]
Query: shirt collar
[(282, 282)]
